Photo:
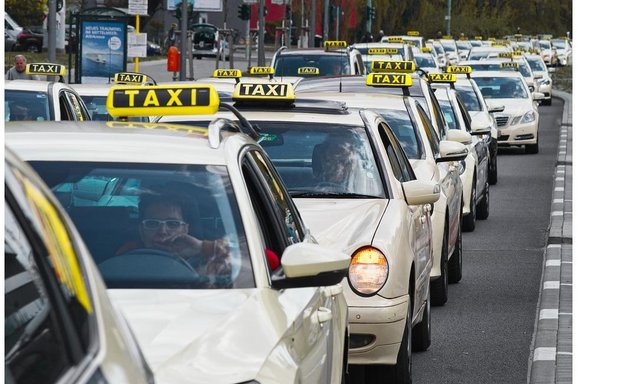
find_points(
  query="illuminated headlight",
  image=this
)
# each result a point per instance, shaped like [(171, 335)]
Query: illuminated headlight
[(368, 271), (528, 117)]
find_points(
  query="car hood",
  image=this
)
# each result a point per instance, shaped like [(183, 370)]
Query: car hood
[(203, 336), (344, 224), (513, 106)]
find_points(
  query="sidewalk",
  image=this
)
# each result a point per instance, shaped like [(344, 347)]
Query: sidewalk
[(551, 355)]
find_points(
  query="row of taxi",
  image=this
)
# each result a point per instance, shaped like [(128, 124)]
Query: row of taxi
[(258, 229)]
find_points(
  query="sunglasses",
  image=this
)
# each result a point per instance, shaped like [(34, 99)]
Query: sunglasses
[(155, 223)]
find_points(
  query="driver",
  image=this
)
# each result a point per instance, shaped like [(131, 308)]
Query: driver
[(164, 225), (334, 158)]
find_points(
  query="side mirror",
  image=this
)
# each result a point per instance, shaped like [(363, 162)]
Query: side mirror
[(451, 151), (459, 136), (496, 108), (420, 192), (537, 96), (479, 129), (311, 265), (539, 76)]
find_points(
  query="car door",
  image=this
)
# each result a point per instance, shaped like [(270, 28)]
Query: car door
[(314, 329), (480, 147)]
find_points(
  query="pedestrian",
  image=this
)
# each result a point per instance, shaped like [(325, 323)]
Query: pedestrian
[(381, 34), (172, 35), (18, 71)]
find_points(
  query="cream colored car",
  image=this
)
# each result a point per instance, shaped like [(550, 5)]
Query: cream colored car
[(200, 245), (355, 188)]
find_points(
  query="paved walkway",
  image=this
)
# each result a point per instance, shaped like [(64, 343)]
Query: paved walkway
[(551, 357)]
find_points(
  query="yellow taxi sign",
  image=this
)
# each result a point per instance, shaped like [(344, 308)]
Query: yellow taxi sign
[(382, 51), (389, 80), (264, 91), (498, 44), (227, 73), (261, 71), (426, 49), (305, 71), (46, 69), (492, 39), (478, 37), (396, 66), (335, 44), (459, 69), (130, 78), (395, 39), (447, 37), (511, 65), (413, 33), (161, 100), (441, 78), (505, 55)]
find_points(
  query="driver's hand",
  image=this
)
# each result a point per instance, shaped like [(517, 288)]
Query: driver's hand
[(183, 244), (220, 262)]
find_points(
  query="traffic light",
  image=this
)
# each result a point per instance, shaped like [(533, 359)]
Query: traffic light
[(244, 12)]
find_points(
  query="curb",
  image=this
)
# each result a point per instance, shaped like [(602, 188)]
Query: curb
[(551, 352)]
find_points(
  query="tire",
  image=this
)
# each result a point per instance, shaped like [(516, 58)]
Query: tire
[(493, 174), (439, 287), (421, 335), (468, 224), (483, 208), (531, 148), (546, 102), (455, 263), (401, 372)]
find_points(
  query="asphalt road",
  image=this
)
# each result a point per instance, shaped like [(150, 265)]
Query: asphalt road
[(484, 332)]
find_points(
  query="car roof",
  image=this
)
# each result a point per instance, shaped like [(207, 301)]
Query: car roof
[(113, 141), (360, 99), (496, 74), (354, 84), (32, 85)]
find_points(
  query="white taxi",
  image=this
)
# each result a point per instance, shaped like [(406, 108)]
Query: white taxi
[(475, 176), (541, 74), (391, 50), (518, 122), (59, 324), (334, 59), (197, 240), (355, 188), (43, 100)]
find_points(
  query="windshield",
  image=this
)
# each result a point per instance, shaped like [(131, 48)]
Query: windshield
[(98, 110), (477, 55), (439, 48), (26, 105), (320, 160), (469, 97), (155, 225), (537, 64), (524, 69), (501, 87), (329, 65), (544, 44), (367, 60), (559, 43), (425, 61)]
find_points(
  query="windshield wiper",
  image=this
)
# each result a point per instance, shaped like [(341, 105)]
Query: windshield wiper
[(340, 195)]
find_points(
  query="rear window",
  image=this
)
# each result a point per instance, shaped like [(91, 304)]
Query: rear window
[(329, 65), (26, 105)]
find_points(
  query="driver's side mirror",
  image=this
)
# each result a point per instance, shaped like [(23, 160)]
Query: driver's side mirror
[(478, 129)]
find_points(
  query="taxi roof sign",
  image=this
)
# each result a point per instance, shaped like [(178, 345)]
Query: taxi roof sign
[(426, 49), (459, 69), (505, 55), (395, 39), (335, 44), (447, 37), (161, 100), (130, 78), (389, 80), (46, 69), (382, 51), (441, 77), (313, 71), (395, 66), (227, 73), (511, 65), (478, 37), (261, 71), (276, 91), (413, 33)]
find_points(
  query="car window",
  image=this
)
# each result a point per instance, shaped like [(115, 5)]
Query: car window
[(429, 131), (501, 87), (400, 165), (329, 65), (26, 105), (449, 114), (403, 128), (469, 97), (537, 64), (75, 106), (182, 219), (322, 159)]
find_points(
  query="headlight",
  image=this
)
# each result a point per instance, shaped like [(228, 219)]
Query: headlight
[(544, 81), (368, 271), (529, 117)]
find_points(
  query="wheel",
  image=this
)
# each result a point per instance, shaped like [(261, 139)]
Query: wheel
[(421, 334), (468, 224), (455, 262), (493, 174), (483, 208), (401, 372), (439, 287), (546, 102), (531, 148)]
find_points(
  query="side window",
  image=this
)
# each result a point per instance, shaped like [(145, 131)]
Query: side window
[(465, 114), (441, 124), (65, 109), (79, 111), (434, 141), (397, 158), (41, 307), (281, 203)]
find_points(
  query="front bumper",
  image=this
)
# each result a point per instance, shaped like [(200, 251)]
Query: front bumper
[(383, 323), (518, 134)]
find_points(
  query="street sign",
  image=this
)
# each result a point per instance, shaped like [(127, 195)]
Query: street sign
[(139, 7)]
